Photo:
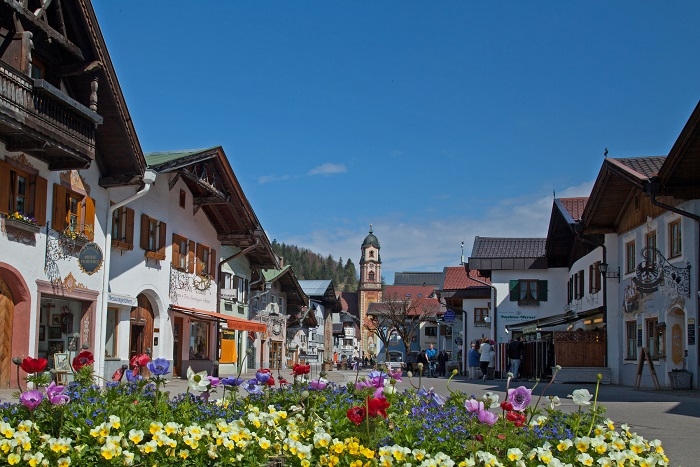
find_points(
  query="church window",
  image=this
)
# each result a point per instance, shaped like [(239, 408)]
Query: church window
[(371, 276)]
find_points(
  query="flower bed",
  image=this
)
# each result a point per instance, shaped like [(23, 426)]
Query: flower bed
[(303, 422)]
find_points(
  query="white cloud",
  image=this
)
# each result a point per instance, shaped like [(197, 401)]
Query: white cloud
[(328, 169), (272, 178), (424, 244)]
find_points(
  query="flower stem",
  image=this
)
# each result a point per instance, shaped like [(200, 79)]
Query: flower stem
[(595, 404)]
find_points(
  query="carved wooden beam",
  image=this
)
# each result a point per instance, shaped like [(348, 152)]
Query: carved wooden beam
[(202, 200)]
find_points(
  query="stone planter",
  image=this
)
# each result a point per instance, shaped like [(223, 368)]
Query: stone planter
[(681, 379)]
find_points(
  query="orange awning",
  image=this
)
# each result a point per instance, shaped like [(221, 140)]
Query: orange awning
[(240, 324)]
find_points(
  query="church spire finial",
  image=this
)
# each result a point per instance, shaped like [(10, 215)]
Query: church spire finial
[(370, 228)]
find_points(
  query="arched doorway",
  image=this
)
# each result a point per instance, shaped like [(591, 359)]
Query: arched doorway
[(7, 308), (141, 336)]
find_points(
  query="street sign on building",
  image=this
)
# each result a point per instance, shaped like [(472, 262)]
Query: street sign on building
[(449, 316)]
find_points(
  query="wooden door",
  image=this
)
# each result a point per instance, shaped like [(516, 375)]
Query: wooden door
[(177, 345), (7, 308), (275, 355), (141, 337)]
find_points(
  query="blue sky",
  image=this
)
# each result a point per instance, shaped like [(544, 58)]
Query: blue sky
[(433, 121)]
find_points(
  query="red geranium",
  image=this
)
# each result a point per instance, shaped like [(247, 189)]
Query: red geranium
[(377, 406), (298, 370), (356, 414), (34, 365), (83, 358)]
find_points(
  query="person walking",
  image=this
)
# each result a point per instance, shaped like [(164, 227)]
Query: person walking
[(442, 362), (485, 354), (473, 360), (515, 355), (422, 358)]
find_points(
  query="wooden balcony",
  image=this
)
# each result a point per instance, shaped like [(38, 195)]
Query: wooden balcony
[(41, 120)]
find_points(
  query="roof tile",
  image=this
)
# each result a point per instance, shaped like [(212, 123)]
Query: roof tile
[(493, 247)]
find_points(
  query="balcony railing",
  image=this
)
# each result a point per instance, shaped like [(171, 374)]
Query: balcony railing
[(54, 127)]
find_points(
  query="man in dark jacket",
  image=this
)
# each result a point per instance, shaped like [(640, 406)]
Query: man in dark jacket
[(442, 361), (515, 355)]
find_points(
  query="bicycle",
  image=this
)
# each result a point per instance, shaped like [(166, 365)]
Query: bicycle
[(432, 368)]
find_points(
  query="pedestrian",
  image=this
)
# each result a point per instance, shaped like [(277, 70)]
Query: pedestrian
[(515, 355), (442, 362), (486, 353), (473, 357), (422, 358)]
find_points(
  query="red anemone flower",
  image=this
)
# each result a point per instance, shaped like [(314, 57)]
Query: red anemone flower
[(301, 369), (377, 406), (518, 418), (138, 361), (34, 365), (271, 381), (83, 358), (356, 414), (507, 406)]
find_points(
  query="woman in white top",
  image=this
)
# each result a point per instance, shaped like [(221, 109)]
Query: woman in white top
[(486, 351)]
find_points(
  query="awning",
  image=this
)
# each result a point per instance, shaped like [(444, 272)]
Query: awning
[(551, 321), (232, 322)]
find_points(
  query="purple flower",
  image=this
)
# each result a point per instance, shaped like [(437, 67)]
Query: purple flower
[(318, 384), (131, 377), (54, 393), (489, 418), (232, 381), (434, 399), (473, 405), (213, 381), (396, 374), (262, 377), (253, 387), (376, 374), (159, 367), (31, 399), (520, 398)]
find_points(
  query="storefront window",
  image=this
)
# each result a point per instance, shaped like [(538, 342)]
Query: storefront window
[(111, 336), (199, 340)]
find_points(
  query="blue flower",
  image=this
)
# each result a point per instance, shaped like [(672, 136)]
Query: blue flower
[(159, 367), (253, 387), (232, 381)]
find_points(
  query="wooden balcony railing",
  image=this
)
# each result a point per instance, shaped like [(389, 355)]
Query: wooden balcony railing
[(43, 121)]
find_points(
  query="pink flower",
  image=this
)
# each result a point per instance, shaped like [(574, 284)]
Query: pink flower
[(489, 418), (31, 399), (54, 394), (473, 405), (520, 398), (318, 384)]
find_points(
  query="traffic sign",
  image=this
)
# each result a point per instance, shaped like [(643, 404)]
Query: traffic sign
[(449, 316)]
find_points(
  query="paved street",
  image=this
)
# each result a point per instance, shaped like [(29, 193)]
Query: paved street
[(671, 416)]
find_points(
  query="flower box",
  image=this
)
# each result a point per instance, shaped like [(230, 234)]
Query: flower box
[(681, 379), (21, 225), (155, 255)]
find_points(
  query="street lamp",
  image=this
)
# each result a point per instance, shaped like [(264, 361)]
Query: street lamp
[(609, 274)]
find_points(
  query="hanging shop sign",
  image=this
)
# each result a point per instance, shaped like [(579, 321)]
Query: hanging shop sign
[(90, 258)]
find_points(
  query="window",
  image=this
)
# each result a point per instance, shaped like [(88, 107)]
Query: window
[(652, 335), (371, 276), (123, 228), (630, 257), (153, 237), (578, 285), (431, 331), (674, 235), (348, 342), (23, 192), (207, 262), (183, 197), (650, 241), (631, 339), (594, 278), (480, 315), (183, 254), (73, 212), (528, 291), (199, 340), (111, 335)]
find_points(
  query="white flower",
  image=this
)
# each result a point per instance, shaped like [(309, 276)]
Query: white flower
[(581, 397), (197, 381), (554, 402)]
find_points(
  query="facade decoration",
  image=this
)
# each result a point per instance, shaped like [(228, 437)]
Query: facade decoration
[(656, 272)]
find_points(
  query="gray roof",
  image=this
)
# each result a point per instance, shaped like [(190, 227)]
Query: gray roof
[(418, 278), (493, 247), (315, 288)]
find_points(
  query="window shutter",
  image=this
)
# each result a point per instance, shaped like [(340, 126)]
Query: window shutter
[(213, 264), (175, 261), (129, 232), (542, 291), (162, 238), (514, 291), (144, 231), (89, 218), (200, 255), (190, 257), (40, 193), (60, 210), (5, 187), (590, 279)]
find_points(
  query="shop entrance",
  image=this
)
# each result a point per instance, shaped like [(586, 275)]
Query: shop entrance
[(275, 355), (177, 346), (7, 307)]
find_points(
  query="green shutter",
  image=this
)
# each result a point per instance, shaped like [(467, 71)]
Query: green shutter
[(542, 291), (514, 291)]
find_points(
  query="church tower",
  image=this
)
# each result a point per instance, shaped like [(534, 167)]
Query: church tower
[(370, 287)]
